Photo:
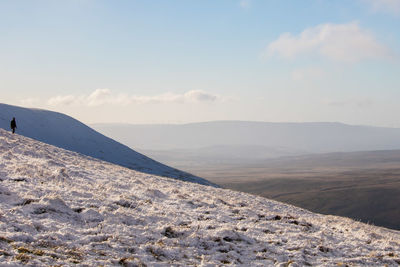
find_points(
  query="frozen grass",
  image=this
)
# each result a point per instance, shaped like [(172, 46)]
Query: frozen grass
[(61, 208)]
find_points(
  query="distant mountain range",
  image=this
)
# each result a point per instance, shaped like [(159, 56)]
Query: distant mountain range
[(65, 132)]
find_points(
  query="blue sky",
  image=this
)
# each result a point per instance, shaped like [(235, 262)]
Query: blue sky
[(186, 61)]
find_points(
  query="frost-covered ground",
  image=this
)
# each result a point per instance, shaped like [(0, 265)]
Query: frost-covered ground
[(61, 208), (63, 131)]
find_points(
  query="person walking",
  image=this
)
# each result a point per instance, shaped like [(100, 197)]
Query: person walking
[(13, 125)]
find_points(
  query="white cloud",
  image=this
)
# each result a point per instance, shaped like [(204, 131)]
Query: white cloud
[(337, 42), (101, 97), (391, 6), (199, 96)]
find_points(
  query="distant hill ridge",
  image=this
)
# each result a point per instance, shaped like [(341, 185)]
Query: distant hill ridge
[(66, 132), (308, 137)]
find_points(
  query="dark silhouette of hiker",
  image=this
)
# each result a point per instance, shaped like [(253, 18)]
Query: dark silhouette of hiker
[(13, 125)]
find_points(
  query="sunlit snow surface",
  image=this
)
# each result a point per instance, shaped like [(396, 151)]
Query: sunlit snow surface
[(61, 208)]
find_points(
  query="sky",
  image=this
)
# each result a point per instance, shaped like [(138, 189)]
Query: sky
[(131, 61)]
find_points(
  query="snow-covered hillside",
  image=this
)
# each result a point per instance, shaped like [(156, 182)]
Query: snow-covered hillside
[(63, 131), (61, 208)]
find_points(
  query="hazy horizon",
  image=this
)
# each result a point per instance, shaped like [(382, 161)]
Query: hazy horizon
[(233, 120)]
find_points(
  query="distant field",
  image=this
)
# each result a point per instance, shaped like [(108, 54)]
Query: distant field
[(361, 185)]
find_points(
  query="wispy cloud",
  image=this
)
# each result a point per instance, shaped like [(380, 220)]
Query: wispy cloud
[(362, 103), (62, 100), (101, 97), (388, 6), (337, 42), (29, 102), (245, 3), (309, 73)]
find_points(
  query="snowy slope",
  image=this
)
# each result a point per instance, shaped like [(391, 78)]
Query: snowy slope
[(61, 208), (65, 132)]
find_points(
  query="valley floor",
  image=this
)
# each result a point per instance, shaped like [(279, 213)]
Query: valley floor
[(369, 192)]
